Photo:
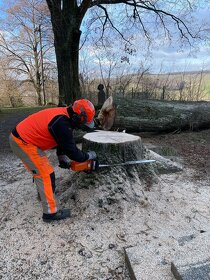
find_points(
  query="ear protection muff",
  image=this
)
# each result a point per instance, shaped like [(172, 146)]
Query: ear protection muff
[(79, 118), (83, 117)]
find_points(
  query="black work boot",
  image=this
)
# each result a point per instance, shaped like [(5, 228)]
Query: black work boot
[(60, 215)]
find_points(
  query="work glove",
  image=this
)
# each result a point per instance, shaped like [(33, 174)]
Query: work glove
[(91, 155), (64, 161)]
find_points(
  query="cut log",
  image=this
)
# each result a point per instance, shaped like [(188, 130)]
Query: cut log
[(107, 114), (135, 115), (105, 119)]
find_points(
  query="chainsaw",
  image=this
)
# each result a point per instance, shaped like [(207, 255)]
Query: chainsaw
[(93, 165)]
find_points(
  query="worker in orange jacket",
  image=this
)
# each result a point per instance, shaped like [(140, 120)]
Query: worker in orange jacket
[(45, 130)]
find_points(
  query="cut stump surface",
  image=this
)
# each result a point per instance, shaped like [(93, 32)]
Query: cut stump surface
[(113, 147), (110, 137)]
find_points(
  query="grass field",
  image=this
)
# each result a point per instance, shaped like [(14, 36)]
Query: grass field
[(189, 86)]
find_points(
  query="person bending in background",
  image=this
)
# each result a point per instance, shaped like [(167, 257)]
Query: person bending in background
[(45, 130)]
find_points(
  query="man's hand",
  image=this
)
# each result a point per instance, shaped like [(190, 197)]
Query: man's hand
[(64, 161), (91, 155)]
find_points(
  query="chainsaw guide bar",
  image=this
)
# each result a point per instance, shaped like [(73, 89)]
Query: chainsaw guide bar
[(128, 163)]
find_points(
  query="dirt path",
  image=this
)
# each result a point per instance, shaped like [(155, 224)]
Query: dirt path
[(8, 120)]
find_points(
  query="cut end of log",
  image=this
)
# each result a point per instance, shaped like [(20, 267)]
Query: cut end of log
[(110, 137), (113, 147), (107, 114)]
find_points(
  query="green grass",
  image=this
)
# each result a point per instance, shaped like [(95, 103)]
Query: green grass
[(208, 89)]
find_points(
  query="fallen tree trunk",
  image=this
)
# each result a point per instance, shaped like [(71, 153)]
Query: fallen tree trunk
[(135, 115)]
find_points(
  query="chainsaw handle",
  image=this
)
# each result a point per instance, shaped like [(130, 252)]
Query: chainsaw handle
[(81, 166), (87, 166)]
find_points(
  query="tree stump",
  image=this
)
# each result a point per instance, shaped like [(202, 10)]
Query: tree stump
[(114, 184), (113, 147)]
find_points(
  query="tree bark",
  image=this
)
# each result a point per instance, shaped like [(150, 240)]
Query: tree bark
[(37, 81), (67, 61), (135, 115), (66, 27)]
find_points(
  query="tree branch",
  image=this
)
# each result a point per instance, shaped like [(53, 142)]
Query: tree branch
[(83, 8), (147, 5), (108, 19), (12, 52)]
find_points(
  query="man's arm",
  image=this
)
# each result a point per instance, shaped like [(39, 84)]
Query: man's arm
[(61, 131)]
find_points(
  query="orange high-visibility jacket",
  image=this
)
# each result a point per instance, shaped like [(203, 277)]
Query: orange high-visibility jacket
[(34, 129)]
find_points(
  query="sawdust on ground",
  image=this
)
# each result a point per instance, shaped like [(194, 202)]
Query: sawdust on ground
[(90, 245)]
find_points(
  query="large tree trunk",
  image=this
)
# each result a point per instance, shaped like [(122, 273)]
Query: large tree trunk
[(67, 62), (66, 27), (135, 115)]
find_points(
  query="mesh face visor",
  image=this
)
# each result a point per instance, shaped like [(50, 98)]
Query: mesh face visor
[(85, 109)]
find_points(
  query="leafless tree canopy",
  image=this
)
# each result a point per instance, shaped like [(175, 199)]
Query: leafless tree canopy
[(26, 43), (67, 16)]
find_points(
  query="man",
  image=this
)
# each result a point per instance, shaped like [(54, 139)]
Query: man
[(45, 130)]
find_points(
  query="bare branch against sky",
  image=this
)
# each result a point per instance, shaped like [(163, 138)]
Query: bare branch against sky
[(168, 27)]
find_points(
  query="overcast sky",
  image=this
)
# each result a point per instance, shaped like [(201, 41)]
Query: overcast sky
[(187, 58)]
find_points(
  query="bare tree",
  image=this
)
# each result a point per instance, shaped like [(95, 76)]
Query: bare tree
[(25, 41), (9, 91), (195, 90), (123, 81), (107, 63)]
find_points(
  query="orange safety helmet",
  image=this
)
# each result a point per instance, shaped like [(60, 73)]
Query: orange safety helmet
[(86, 111)]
